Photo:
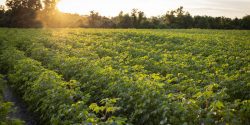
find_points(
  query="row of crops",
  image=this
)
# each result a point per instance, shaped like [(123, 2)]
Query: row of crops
[(84, 76), (6, 107)]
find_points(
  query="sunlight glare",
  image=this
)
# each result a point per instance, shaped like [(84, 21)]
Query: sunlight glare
[(156, 7), (65, 7)]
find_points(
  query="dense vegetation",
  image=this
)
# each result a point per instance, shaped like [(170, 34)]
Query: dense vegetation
[(31, 13), (149, 77)]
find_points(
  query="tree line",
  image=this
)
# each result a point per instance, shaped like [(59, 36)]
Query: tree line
[(37, 13)]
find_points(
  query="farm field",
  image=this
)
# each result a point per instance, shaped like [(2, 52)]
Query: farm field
[(129, 76)]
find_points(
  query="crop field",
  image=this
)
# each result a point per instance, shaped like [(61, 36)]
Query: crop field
[(129, 76)]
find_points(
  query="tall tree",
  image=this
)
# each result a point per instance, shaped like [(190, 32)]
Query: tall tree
[(2, 10), (94, 19), (49, 5), (35, 5), (141, 19), (2, 16), (22, 13), (246, 22), (124, 20), (134, 17)]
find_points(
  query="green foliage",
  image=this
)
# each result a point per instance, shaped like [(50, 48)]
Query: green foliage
[(106, 111), (57, 101), (74, 76)]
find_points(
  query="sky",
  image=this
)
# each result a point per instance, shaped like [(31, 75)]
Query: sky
[(227, 8)]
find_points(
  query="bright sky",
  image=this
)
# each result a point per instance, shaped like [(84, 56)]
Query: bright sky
[(228, 8)]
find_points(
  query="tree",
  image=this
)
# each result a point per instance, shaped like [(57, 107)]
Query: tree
[(245, 23), (94, 19), (123, 20), (2, 10), (22, 13), (156, 23), (178, 19), (141, 19), (179, 11), (2, 16), (201, 22), (107, 23), (15, 5), (236, 23), (169, 17), (35, 5), (186, 21), (49, 5), (134, 17), (127, 21), (119, 19)]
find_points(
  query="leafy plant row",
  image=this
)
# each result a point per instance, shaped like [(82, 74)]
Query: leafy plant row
[(194, 58), (56, 101)]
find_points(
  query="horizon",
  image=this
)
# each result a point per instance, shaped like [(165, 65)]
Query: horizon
[(226, 8)]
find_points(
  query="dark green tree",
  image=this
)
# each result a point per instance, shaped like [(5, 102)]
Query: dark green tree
[(94, 19), (245, 23), (2, 16), (22, 13), (134, 17), (169, 18), (201, 22), (141, 19), (123, 21)]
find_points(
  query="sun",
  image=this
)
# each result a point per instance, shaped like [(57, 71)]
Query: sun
[(65, 7), (68, 6)]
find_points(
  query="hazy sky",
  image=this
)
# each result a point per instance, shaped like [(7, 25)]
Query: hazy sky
[(228, 8)]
